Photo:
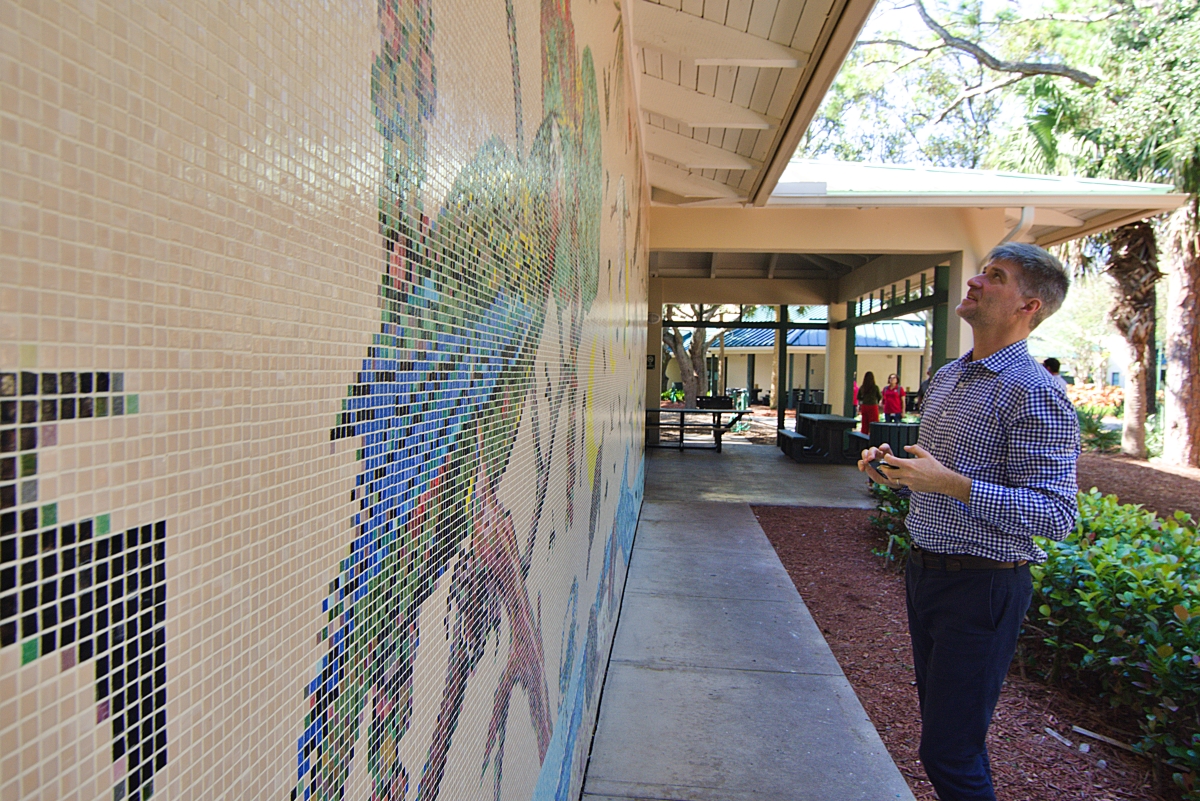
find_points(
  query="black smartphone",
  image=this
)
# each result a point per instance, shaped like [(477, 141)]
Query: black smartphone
[(880, 466)]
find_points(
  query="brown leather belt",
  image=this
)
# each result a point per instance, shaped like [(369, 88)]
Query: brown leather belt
[(952, 562)]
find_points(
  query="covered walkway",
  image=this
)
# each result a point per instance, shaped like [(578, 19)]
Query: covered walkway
[(720, 687)]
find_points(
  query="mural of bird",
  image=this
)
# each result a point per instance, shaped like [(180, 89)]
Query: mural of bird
[(438, 401)]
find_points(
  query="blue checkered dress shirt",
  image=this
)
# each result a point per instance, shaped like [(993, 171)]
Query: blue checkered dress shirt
[(1005, 423)]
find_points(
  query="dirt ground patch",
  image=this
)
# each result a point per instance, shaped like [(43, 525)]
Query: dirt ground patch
[(859, 605)]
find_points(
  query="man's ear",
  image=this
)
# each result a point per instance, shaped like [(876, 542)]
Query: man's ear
[(1031, 306)]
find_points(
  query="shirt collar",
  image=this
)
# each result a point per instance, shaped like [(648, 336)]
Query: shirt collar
[(1000, 360)]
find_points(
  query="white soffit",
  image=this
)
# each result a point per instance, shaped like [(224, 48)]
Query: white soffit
[(727, 87)]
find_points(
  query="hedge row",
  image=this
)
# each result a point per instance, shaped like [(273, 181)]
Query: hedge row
[(1118, 604)]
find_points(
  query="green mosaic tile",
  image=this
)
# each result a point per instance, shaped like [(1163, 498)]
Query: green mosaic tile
[(29, 650), (103, 522)]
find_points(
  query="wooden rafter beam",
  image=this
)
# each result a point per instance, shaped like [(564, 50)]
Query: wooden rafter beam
[(692, 153), (706, 43), (678, 182), (695, 109)]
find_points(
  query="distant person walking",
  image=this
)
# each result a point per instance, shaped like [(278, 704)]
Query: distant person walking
[(868, 402), (994, 468), (1052, 366), (893, 399), (923, 390)]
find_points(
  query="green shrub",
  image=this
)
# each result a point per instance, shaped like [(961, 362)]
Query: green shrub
[(1154, 434), (672, 395), (892, 508), (1092, 431), (1119, 603)]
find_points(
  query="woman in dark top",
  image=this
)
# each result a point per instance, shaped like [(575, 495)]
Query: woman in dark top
[(868, 402)]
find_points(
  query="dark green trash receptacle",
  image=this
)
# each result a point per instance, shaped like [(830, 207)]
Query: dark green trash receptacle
[(895, 434)]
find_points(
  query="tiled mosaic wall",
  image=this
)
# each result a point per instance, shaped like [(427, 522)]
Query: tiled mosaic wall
[(321, 386)]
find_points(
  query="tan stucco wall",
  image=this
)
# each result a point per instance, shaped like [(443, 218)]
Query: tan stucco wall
[(831, 230)]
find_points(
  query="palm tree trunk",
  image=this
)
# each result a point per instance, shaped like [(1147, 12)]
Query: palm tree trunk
[(1181, 435), (1133, 264)]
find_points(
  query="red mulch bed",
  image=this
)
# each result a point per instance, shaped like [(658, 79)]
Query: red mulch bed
[(1156, 486), (858, 603)]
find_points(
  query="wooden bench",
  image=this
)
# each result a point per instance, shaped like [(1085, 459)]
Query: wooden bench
[(791, 443)]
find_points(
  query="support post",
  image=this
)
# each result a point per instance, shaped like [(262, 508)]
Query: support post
[(807, 375), (654, 355), (791, 381), (781, 371), (941, 318), (851, 362), (835, 356)]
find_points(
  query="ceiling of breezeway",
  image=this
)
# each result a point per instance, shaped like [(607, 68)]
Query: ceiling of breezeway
[(727, 87)]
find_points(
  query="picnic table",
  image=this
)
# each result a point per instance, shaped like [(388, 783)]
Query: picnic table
[(714, 421), (826, 434)]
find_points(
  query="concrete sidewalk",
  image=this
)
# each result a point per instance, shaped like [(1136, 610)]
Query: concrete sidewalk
[(720, 687)]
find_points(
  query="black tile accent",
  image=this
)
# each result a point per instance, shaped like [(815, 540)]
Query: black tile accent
[(49, 383), (29, 383), (8, 412), (85, 383)]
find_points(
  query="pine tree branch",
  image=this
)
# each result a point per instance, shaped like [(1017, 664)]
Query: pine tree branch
[(898, 43), (967, 94), (1022, 68)]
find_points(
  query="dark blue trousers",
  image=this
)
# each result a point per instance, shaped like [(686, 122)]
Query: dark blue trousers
[(964, 626)]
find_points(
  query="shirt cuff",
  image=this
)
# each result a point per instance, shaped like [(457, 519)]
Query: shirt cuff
[(987, 500)]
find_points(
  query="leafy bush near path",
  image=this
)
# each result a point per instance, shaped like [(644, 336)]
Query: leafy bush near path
[(892, 508), (1118, 604)]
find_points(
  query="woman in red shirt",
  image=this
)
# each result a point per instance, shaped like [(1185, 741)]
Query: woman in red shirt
[(893, 400)]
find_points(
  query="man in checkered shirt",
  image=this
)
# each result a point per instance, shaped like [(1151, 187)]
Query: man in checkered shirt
[(994, 466)]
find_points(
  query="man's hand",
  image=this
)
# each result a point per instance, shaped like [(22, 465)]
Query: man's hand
[(923, 474), (927, 474), (869, 455)]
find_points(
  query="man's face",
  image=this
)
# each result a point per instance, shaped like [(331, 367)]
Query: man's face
[(994, 297)]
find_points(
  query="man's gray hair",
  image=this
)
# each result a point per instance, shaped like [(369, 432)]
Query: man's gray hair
[(1042, 275)]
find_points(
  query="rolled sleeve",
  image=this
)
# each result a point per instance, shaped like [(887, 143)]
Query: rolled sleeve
[(1039, 496)]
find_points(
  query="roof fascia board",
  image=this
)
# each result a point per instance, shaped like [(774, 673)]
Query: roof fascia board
[(884, 271), (695, 109), (831, 51), (706, 43), (1103, 222)]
